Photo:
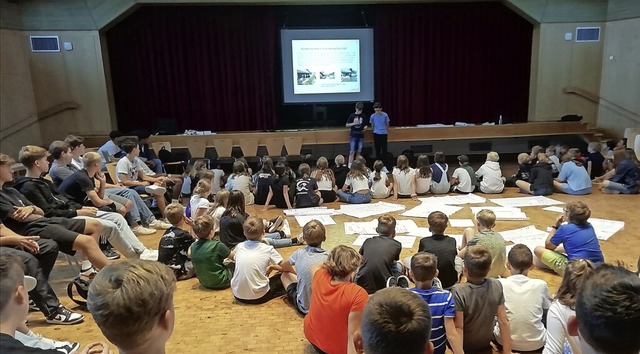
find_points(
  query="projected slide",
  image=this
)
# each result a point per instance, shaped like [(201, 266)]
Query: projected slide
[(326, 66)]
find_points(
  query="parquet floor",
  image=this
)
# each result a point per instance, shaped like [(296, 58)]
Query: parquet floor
[(210, 321)]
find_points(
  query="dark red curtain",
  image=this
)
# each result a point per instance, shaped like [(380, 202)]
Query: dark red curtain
[(442, 63), (209, 68)]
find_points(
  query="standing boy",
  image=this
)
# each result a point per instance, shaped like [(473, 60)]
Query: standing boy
[(478, 302), (379, 121), (526, 302), (356, 137), (379, 255), (424, 268)]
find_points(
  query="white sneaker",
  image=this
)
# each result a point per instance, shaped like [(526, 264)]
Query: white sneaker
[(286, 229), (35, 340), (141, 230), (159, 224), (155, 189), (149, 255)]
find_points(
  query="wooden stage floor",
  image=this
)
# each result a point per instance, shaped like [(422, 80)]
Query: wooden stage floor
[(210, 321)]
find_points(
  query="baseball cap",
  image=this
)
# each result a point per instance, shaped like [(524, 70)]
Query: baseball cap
[(29, 282), (463, 158)]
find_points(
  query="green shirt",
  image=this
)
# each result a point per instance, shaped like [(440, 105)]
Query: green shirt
[(207, 257), (495, 243)]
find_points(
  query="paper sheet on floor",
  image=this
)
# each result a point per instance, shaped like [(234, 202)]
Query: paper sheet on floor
[(311, 211), (423, 210), (605, 228), (554, 209), (461, 223), (420, 232), (361, 211), (503, 213), (528, 236), (526, 201), (406, 241), (454, 199), (369, 227), (360, 240), (324, 219)]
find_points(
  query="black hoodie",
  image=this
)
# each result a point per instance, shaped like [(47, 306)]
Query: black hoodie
[(44, 195), (541, 176)]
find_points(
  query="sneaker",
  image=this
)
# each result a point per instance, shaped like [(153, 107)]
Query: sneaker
[(110, 253), (35, 340), (33, 306), (155, 190), (275, 224), (286, 229), (159, 224), (402, 282), (88, 274), (141, 230), (63, 316), (392, 282), (149, 255)]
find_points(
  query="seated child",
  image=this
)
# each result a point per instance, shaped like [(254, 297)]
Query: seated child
[(464, 178), (199, 202), (490, 175), (423, 175), (326, 180), (250, 284), (217, 208), (443, 247), (208, 256), (240, 180), (525, 163), (424, 268), (232, 221), (191, 176), (306, 193), (394, 321), (478, 302), (594, 160), (358, 183), (278, 194), (440, 180), (526, 301), (380, 186), (379, 255), (304, 260), (485, 236), (553, 160), (141, 326), (540, 178), (174, 244), (533, 157), (403, 179), (340, 171)]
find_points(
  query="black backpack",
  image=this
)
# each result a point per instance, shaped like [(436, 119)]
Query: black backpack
[(166, 156), (82, 287)]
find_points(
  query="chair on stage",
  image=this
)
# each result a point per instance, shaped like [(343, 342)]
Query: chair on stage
[(274, 146)]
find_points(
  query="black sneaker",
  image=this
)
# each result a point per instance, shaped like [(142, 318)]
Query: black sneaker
[(33, 306), (110, 253), (275, 224), (63, 316), (402, 282), (392, 282)]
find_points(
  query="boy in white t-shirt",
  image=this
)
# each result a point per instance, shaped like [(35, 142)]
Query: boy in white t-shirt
[(464, 178), (250, 284), (526, 300)]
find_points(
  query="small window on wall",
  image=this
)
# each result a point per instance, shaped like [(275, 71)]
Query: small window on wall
[(45, 44), (588, 34)]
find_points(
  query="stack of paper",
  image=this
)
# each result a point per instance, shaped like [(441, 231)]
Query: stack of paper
[(311, 211), (554, 209), (503, 213), (528, 236), (324, 219), (365, 210), (455, 199), (526, 201), (423, 210), (605, 228)]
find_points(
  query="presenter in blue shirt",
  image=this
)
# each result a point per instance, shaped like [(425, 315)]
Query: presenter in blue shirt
[(380, 123)]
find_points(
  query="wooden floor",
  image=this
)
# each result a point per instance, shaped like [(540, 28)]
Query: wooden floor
[(210, 321)]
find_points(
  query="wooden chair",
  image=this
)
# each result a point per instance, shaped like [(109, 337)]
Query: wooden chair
[(293, 145), (274, 146), (176, 167), (111, 169), (197, 150), (223, 147), (249, 147)]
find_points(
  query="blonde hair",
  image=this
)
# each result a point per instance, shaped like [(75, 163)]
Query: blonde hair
[(486, 218), (542, 157), (89, 158), (174, 213), (342, 261), (29, 154), (203, 187), (323, 170), (493, 156), (579, 212), (522, 158), (202, 226), (386, 225), (221, 199), (402, 163), (6, 159), (575, 274), (594, 146), (314, 233), (128, 298), (339, 160), (253, 228)]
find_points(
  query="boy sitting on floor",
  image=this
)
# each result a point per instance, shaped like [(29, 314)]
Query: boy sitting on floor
[(485, 236), (174, 244), (208, 255)]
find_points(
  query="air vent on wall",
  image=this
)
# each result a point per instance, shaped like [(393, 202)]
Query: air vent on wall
[(45, 44), (475, 147), (587, 34)]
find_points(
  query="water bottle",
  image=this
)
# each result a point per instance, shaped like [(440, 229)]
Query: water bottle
[(500, 120)]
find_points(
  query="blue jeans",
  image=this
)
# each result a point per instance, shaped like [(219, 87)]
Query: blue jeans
[(618, 188), (276, 240), (565, 188), (355, 143), (139, 211), (354, 198)]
